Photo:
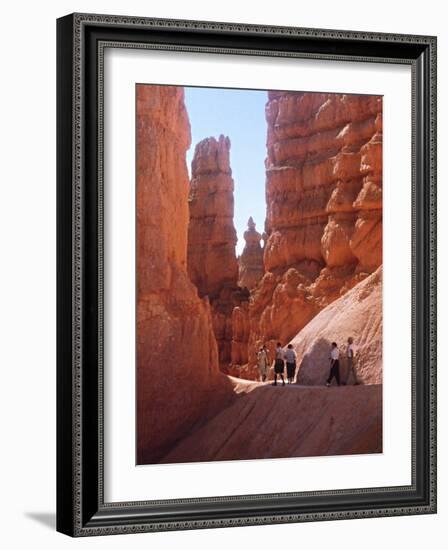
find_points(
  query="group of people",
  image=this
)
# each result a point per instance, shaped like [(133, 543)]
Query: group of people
[(288, 358), (334, 364), (282, 357)]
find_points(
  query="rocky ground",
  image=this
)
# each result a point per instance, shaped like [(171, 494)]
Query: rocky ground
[(266, 421)]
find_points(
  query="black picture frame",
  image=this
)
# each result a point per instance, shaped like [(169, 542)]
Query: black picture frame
[(81, 510)]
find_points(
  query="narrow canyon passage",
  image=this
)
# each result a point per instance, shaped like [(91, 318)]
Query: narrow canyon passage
[(322, 231), (203, 312)]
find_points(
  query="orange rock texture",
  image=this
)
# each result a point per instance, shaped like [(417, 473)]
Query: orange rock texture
[(324, 208), (250, 263), (178, 378), (212, 262), (356, 314)]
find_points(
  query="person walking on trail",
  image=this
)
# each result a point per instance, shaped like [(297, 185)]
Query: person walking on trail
[(263, 363), (334, 362), (279, 364), (291, 358), (351, 361)]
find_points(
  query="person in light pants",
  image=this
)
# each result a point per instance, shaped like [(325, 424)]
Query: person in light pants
[(263, 363)]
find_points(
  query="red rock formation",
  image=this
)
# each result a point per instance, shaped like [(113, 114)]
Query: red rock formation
[(288, 422), (250, 263), (178, 379), (324, 207), (212, 263), (356, 314)]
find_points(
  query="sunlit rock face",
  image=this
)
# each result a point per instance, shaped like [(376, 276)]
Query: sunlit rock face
[(177, 355), (358, 314), (250, 263), (324, 208), (212, 262)]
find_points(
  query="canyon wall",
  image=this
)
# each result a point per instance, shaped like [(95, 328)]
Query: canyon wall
[(178, 378), (212, 262), (324, 208)]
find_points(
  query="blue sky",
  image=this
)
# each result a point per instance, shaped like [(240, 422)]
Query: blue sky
[(238, 114)]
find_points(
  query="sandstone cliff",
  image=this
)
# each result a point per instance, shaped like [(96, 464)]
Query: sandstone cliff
[(357, 314), (178, 379), (324, 208), (212, 262)]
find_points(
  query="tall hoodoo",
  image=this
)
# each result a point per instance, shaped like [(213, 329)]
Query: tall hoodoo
[(250, 263), (324, 208), (212, 263), (177, 359)]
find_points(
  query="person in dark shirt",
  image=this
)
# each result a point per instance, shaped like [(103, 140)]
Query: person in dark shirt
[(334, 362)]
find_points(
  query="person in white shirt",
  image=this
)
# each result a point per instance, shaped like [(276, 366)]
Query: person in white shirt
[(290, 357), (279, 365), (334, 362), (351, 361)]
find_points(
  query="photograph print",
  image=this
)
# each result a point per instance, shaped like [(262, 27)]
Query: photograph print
[(258, 274)]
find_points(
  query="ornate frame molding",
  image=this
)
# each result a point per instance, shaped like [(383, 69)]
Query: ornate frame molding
[(82, 510)]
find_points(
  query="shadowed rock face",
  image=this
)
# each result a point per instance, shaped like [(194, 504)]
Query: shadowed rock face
[(324, 208), (250, 263), (357, 314), (240, 334), (222, 308), (212, 263), (178, 379)]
